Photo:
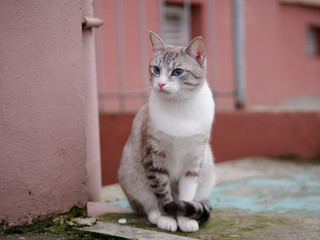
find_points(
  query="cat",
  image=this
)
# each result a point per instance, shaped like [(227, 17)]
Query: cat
[(167, 168)]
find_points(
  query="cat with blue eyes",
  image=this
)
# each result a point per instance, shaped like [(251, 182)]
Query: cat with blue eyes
[(177, 72), (167, 168)]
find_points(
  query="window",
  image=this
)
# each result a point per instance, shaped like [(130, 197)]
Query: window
[(176, 24), (313, 42)]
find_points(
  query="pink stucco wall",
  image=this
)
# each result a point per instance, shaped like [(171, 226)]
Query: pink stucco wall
[(42, 124), (235, 134), (277, 66), (132, 70)]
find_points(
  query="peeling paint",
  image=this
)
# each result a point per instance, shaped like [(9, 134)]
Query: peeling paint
[(298, 192)]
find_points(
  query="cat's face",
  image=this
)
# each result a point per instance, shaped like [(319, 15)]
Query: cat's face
[(175, 72)]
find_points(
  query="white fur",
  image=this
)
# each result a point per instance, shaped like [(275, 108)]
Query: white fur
[(186, 122), (167, 223), (187, 188), (189, 118), (187, 224), (153, 216)]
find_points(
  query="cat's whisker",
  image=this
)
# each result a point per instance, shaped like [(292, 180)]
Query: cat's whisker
[(180, 96)]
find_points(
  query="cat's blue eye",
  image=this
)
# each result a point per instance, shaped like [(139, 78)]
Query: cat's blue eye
[(177, 72), (156, 70)]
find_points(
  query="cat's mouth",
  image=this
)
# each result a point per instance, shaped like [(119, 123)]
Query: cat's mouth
[(163, 91)]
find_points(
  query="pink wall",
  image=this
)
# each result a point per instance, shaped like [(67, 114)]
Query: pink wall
[(235, 134), (277, 66), (131, 40), (132, 72), (42, 131)]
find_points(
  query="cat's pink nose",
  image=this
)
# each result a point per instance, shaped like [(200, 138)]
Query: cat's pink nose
[(161, 84)]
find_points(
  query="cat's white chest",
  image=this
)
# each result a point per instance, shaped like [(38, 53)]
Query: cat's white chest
[(182, 120)]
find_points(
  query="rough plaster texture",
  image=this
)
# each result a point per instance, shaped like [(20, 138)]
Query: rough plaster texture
[(42, 130)]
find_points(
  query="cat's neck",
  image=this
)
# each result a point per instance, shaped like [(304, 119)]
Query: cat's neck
[(191, 116)]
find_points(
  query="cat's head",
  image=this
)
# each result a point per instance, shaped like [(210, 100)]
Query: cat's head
[(176, 72)]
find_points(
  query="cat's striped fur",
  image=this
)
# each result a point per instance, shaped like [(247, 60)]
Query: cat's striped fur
[(167, 168)]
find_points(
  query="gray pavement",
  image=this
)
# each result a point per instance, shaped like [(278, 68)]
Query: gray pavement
[(255, 198)]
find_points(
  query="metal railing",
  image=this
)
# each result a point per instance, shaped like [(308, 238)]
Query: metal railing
[(123, 95)]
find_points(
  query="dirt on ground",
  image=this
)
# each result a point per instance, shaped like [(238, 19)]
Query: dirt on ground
[(47, 236)]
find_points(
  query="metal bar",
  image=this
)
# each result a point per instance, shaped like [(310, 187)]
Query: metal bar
[(121, 54), (118, 94), (91, 22), (99, 53), (211, 43), (162, 4), (93, 165), (221, 94), (187, 19), (143, 47), (239, 51), (135, 94)]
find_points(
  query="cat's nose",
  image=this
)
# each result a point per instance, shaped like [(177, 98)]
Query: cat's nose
[(161, 84)]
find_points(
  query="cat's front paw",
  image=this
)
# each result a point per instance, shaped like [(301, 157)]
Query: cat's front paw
[(153, 216), (167, 223), (187, 224)]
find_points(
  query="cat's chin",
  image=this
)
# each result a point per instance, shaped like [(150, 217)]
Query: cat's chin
[(164, 93)]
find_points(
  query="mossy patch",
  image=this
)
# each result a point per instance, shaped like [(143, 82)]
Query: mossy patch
[(231, 224), (42, 224)]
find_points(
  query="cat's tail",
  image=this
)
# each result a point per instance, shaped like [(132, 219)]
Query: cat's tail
[(198, 210)]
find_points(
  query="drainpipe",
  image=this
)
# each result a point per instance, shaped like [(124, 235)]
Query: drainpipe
[(239, 51), (93, 163)]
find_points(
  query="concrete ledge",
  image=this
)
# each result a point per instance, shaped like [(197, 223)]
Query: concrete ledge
[(114, 230), (236, 134), (255, 198), (96, 209)]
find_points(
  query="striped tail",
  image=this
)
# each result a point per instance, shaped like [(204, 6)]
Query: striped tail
[(197, 210)]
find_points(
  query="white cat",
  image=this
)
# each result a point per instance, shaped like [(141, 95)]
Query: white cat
[(167, 169)]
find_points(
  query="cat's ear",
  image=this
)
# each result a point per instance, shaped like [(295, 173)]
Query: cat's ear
[(196, 49), (157, 43)]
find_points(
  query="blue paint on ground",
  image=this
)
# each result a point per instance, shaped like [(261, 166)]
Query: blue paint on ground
[(120, 202), (294, 193)]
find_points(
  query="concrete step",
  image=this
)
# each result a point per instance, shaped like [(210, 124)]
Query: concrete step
[(255, 198)]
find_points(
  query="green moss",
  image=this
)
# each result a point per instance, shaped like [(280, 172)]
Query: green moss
[(58, 228), (223, 224), (77, 212), (44, 223), (132, 220), (36, 226)]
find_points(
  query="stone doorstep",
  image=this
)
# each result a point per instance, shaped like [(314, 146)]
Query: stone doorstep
[(126, 232)]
